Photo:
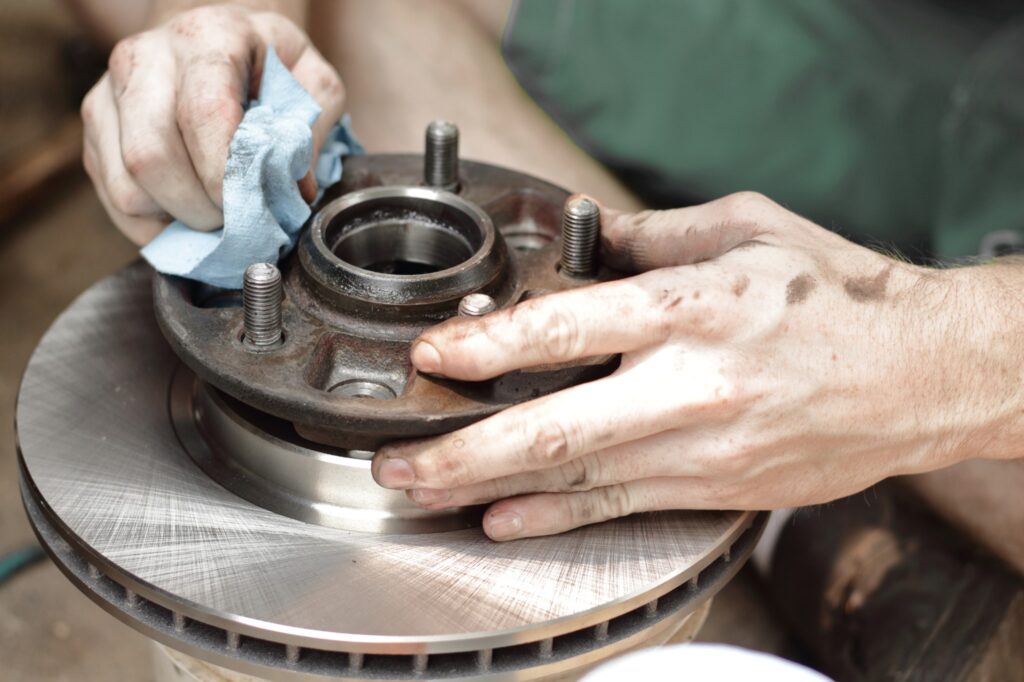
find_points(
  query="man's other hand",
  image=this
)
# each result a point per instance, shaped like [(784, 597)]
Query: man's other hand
[(158, 124)]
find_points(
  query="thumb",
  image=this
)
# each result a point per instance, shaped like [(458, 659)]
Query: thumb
[(636, 242)]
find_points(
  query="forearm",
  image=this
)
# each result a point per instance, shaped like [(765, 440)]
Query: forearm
[(111, 20), (296, 10), (981, 494), (987, 358), (407, 63)]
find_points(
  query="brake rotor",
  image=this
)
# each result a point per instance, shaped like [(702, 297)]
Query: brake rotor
[(237, 520)]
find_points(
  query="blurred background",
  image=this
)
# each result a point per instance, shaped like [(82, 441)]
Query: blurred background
[(55, 240)]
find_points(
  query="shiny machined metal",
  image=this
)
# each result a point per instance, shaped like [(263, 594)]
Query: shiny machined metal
[(263, 460), (441, 156), (261, 303), (581, 228), (222, 503), (475, 305), (114, 489)]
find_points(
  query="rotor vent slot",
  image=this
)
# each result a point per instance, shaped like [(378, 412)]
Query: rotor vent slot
[(255, 653)]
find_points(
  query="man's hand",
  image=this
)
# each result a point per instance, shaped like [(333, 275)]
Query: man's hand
[(159, 122), (766, 362)]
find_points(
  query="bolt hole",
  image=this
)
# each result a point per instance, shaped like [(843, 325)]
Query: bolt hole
[(252, 347), (362, 388)]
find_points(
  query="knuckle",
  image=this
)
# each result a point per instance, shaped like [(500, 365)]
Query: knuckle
[(88, 109), (583, 508), (139, 159), (740, 206), (580, 474), (614, 501), (548, 443), (557, 334), (747, 200), (724, 398), (332, 86), (450, 469), (199, 112), (122, 58), (495, 489), (125, 199)]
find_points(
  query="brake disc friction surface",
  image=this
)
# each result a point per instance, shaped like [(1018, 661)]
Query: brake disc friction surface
[(100, 451)]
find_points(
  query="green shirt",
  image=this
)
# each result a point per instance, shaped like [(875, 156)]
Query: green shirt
[(898, 122)]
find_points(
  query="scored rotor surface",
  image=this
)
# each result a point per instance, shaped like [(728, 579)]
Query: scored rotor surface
[(98, 446)]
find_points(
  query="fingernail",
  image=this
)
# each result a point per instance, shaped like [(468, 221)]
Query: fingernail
[(504, 525), (396, 473), (426, 358), (430, 495)]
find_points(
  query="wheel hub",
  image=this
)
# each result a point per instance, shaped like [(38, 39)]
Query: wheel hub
[(216, 494)]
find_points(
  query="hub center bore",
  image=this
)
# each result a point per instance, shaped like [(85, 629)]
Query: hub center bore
[(402, 249)]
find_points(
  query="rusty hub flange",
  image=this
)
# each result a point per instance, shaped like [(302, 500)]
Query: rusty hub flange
[(342, 375)]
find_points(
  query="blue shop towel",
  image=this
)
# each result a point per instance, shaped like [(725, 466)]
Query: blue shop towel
[(263, 209)]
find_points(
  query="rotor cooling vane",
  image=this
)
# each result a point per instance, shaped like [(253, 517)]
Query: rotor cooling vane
[(196, 459)]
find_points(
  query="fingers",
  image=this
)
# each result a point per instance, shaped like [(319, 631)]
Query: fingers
[(612, 317), (151, 144), (159, 124), (322, 82), (552, 513), (637, 242), (537, 435), (140, 230), (315, 75), (102, 133), (131, 208), (665, 454), (209, 110)]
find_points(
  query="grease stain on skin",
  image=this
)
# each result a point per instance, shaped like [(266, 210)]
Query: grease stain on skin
[(674, 302), (799, 288), (739, 286), (579, 479), (864, 289)]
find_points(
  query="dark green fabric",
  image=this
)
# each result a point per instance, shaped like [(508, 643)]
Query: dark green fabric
[(891, 121)]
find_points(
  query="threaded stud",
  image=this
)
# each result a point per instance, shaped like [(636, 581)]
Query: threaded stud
[(261, 304), (581, 225), (441, 159), (475, 305)]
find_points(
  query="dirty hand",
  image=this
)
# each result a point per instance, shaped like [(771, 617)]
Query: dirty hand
[(158, 124), (766, 362)]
